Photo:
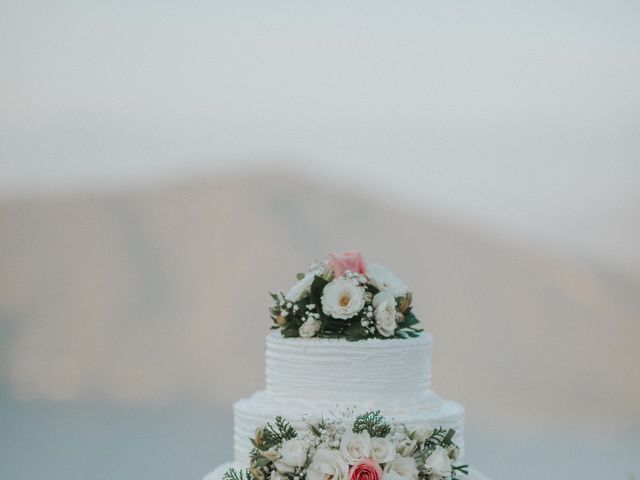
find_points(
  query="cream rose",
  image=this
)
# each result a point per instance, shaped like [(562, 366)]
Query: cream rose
[(293, 454), (453, 452), (438, 464), (303, 286), (382, 450), (404, 466), (282, 467), (384, 304), (309, 328), (385, 280), (327, 464), (342, 299), (422, 432), (355, 446), (392, 475), (270, 454)]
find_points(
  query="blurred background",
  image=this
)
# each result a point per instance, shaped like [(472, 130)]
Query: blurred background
[(163, 165)]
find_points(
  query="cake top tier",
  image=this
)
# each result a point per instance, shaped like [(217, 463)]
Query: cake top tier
[(343, 297), (373, 372)]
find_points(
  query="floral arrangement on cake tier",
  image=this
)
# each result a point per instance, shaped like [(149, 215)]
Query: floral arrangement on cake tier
[(370, 450), (343, 297)]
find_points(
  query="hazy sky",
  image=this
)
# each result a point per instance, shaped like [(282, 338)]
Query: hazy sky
[(522, 116)]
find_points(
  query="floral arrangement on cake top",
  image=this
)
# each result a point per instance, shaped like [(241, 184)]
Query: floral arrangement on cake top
[(343, 297), (369, 450)]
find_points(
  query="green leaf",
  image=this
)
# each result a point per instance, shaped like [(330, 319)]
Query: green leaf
[(447, 438), (410, 319), (233, 474), (317, 286), (356, 331), (261, 462), (315, 430), (372, 289), (289, 332)]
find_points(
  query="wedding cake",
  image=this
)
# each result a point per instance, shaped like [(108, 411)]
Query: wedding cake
[(348, 387)]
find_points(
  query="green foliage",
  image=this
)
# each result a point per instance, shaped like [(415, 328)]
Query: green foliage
[(260, 461), (276, 433), (464, 469), (317, 286), (441, 437), (290, 330), (233, 474), (289, 318), (372, 289), (356, 332), (410, 319), (407, 328), (315, 428), (372, 422)]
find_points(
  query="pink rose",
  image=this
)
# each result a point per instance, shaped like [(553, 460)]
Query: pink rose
[(367, 469), (351, 260)]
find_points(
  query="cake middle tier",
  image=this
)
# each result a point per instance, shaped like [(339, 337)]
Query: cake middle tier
[(255, 411), (373, 370)]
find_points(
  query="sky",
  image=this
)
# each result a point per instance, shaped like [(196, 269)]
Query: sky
[(520, 118)]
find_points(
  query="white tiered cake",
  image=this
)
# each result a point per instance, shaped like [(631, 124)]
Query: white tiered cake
[(314, 377)]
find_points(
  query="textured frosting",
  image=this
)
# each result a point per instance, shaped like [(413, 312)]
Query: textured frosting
[(383, 371), (262, 407), (318, 376)]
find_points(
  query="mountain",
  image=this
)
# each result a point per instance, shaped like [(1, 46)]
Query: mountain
[(160, 295)]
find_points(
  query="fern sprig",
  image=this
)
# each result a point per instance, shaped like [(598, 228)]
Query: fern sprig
[(233, 474), (276, 433), (372, 422)]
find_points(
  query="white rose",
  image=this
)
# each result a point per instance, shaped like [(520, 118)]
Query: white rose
[(283, 467), (309, 328), (404, 466), (385, 280), (355, 446), (422, 433), (382, 450), (342, 299), (438, 464), (303, 286), (392, 475), (293, 453), (384, 304), (327, 464)]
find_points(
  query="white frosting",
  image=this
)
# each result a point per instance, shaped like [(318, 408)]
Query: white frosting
[(312, 377), (384, 372), (262, 407)]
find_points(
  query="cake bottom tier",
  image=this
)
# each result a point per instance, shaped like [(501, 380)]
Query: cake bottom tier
[(253, 412), (219, 472)]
